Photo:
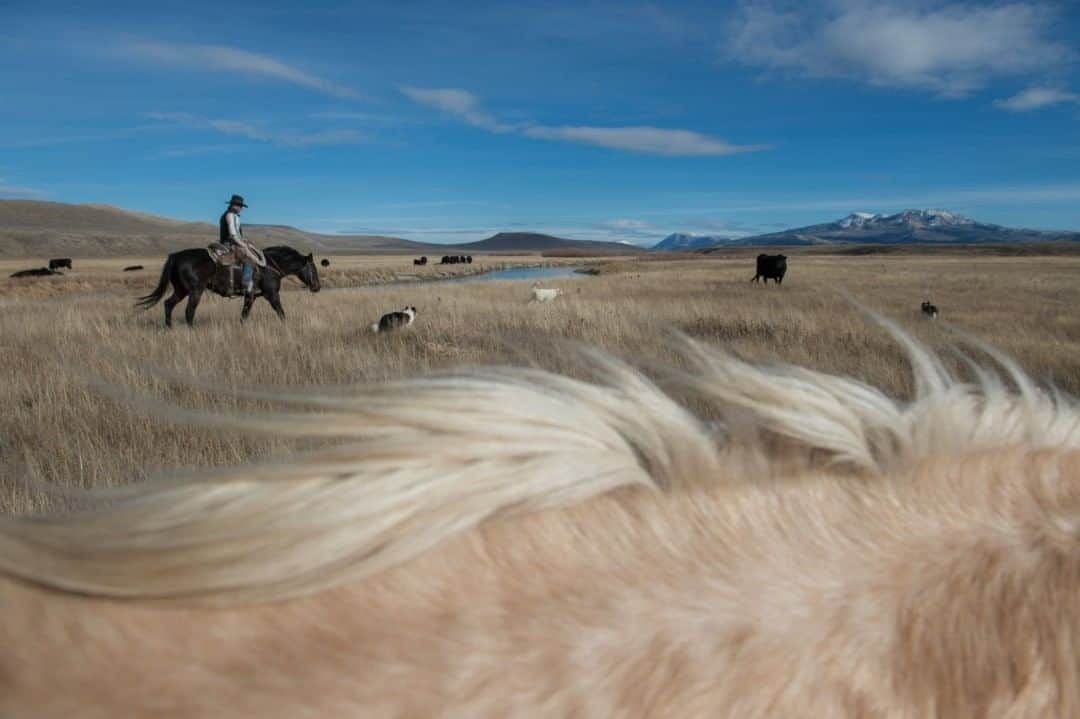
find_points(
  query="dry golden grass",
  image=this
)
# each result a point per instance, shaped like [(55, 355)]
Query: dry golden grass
[(55, 334)]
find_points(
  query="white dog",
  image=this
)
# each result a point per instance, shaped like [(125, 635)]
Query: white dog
[(544, 295)]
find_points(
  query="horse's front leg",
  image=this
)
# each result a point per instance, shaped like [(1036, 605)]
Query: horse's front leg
[(275, 301)]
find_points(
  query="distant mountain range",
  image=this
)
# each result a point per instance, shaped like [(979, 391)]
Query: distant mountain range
[(907, 227), (679, 241), (30, 228)]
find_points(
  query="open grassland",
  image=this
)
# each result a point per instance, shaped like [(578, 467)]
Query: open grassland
[(70, 345)]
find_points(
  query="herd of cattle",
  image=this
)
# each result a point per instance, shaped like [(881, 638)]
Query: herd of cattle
[(60, 263), (55, 265), (446, 260)]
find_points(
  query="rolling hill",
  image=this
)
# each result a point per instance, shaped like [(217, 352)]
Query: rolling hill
[(31, 228), (536, 242)]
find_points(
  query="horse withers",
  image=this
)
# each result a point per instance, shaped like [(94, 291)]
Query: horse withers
[(191, 272)]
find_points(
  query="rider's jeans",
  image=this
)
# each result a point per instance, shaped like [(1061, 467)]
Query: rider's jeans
[(248, 274)]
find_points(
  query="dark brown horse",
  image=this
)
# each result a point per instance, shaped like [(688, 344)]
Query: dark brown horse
[(191, 272)]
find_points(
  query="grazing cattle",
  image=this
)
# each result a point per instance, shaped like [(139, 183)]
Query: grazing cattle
[(324, 262), (36, 272), (468, 259), (421, 261), (544, 295), (133, 268), (60, 262), (454, 260), (770, 267), (514, 542), (929, 310), (395, 320)]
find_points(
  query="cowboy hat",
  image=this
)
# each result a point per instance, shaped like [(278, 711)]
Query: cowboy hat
[(237, 200)]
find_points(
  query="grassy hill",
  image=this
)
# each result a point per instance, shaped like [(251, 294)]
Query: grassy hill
[(30, 228), (537, 242)]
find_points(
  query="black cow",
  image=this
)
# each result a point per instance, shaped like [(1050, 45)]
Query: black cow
[(929, 310), (133, 268), (60, 262), (325, 262), (468, 259), (770, 267), (421, 261), (37, 272)]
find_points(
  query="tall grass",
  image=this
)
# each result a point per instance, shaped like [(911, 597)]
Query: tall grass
[(66, 353)]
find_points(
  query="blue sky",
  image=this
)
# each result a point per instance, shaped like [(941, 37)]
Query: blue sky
[(594, 120)]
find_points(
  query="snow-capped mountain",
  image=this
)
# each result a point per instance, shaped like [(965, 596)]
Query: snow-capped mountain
[(909, 226), (678, 241), (858, 219)]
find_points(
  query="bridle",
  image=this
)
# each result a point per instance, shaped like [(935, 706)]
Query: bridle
[(276, 268)]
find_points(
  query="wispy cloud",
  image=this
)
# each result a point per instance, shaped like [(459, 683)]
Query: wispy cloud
[(1034, 98), (456, 102), (952, 49), (433, 203), (17, 192), (645, 140), (226, 59), (257, 134)]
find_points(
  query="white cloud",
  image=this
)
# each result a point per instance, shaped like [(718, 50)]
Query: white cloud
[(460, 103), (647, 140), (257, 134), (952, 50), (1034, 98), (230, 60), (19, 193)]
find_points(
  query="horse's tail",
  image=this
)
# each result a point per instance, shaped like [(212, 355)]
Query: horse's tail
[(148, 301)]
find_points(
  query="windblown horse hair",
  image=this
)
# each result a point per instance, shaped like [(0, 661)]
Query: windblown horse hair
[(511, 542)]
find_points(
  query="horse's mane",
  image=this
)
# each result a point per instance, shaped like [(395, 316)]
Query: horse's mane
[(427, 459), (286, 251)]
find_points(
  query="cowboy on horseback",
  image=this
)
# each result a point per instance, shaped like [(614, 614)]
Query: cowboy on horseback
[(232, 236)]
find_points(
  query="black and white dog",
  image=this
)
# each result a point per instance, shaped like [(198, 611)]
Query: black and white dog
[(395, 320), (929, 310)]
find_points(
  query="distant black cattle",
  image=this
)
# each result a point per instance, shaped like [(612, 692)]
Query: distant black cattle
[(60, 262), (325, 262), (454, 260), (929, 310), (133, 268), (468, 259), (770, 267), (421, 261), (37, 272)]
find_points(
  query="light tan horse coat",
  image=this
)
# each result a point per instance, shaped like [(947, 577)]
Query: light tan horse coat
[(572, 548)]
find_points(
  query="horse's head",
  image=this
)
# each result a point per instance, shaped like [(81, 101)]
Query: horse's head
[(309, 274)]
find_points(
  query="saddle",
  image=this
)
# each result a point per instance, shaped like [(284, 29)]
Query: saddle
[(228, 271)]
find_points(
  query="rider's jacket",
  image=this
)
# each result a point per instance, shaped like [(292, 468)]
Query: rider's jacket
[(229, 228)]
